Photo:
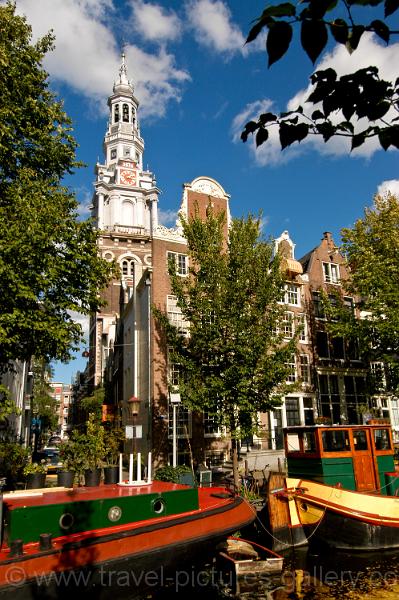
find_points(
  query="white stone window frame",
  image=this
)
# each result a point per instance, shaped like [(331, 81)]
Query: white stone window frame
[(129, 263), (331, 273), (181, 262), (291, 295), (288, 325)]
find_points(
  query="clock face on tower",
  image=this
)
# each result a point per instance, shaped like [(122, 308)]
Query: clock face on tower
[(127, 177)]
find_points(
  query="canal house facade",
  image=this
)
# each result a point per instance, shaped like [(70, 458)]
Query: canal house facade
[(126, 350)]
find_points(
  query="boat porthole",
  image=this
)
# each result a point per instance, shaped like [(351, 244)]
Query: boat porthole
[(114, 513), (66, 521), (304, 506), (158, 506)]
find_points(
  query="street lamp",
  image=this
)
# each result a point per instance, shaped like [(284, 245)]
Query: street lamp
[(134, 406), (134, 409)]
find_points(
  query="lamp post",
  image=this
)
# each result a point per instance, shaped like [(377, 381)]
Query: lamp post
[(175, 401)]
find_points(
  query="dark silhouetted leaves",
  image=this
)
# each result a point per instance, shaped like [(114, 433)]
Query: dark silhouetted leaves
[(255, 31), (381, 29), (292, 133), (286, 9), (261, 136), (339, 30), (389, 137), (390, 7), (358, 140), (354, 37), (327, 130), (358, 95), (317, 114), (266, 19), (314, 38), (278, 40), (250, 127), (267, 118)]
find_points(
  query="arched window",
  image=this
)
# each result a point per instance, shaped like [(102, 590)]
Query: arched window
[(128, 267), (116, 113), (125, 113)]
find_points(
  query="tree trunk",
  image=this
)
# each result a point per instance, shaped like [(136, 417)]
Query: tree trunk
[(236, 475)]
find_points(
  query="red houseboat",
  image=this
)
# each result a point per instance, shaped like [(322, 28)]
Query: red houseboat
[(110, 539)]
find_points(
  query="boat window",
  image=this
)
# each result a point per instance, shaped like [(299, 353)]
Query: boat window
[(309, 441), (360, 439), (381, 439), (335, 441), (293, 442)]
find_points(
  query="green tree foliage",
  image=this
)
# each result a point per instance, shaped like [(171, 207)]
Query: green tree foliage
[(372, 250), (362, 94), (233, 361), (92, 405), (48, 259), (7, 404), (43, 403)]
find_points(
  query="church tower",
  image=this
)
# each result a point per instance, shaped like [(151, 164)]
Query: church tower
[(125, 211)]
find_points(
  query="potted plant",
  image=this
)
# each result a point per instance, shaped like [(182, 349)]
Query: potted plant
[(35, 475), (69, 456), (13, 458), (93, 442), (113, 440)]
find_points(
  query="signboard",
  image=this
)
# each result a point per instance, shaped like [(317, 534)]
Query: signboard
[(134, 432)]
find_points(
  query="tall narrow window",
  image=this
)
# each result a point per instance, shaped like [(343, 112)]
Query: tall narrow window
[(175, 315), (291, 364), (303, 323), (125, 113), (305, 368), (318, 306), (116, 113), (292, 411), (288, 325)]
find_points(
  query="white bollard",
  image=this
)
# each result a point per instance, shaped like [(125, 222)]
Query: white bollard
[(138, 466), (149, 468), (120, 468), (130, 468)]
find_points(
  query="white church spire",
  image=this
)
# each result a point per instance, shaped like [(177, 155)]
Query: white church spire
[(123, 82), (126, 195)]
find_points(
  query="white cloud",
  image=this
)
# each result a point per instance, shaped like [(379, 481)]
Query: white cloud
[(84, 197), (168, 217), (153, 22), (87, 54), (370, 52), (82, 320), (211, 21), (391, 185)]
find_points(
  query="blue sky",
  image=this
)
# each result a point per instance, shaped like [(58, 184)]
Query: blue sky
[(198, 85)]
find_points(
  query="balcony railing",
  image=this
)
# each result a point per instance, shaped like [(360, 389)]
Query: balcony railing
[(127, 229)]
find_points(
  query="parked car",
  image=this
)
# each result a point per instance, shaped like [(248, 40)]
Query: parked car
[(51, 455), (54, 440)]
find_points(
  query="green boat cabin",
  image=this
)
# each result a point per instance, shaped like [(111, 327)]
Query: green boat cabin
[(357, 457)]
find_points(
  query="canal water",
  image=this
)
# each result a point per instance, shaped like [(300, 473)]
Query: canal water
[(308, 574)]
